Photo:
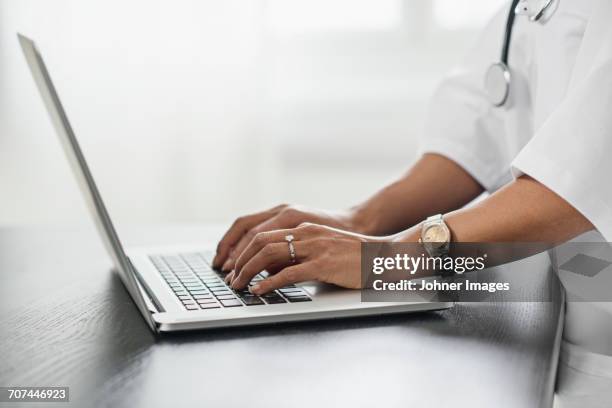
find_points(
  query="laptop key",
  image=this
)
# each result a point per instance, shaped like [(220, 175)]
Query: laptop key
[(206, 301), (182, 274), (202, 296), (206, 275), (231, 303), (294, 294), (209, 306), (191, 307), (199, 268), (275, 299), (189, 280), (220, 290), (252, 300), (199, 292), (222, 294), (192, 288), (226, 297), (197, 289), (299, 299), (290, 290)]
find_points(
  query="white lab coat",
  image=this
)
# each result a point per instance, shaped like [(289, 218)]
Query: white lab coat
[(556, 127)]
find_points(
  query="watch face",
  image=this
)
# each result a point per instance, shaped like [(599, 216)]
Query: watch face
[(435, 234)]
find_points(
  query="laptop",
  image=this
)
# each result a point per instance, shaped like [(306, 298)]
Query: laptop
[(175, 288)]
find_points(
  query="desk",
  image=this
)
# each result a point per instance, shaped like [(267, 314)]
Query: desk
[(66, 320)]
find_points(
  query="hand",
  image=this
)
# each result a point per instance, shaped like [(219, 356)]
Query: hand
[(322, 253), (283, 216)]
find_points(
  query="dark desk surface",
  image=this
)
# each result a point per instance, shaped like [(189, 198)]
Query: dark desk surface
[(66, 320)]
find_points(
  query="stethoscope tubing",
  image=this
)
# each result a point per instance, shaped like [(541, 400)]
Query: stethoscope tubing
[(508, 33), (498, 77)]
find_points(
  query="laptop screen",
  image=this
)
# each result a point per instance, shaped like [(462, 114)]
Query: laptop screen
[(81, 171)]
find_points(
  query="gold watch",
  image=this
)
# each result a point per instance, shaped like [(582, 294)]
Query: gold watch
[(435, 236)]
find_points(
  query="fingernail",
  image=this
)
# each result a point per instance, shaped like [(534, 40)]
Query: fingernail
[(227, 265), (255, 289)]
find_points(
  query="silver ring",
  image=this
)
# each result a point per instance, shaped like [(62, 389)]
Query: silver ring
[(290, 238)]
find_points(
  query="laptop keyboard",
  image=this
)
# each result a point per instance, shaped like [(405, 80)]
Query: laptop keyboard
[(198, 286)]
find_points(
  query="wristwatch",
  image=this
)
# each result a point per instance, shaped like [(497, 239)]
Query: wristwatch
[(435, 236)]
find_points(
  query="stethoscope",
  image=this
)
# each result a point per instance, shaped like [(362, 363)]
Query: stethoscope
[(498, 77)]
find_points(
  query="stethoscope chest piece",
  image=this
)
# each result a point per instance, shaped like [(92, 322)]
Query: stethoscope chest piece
[(497, 83)]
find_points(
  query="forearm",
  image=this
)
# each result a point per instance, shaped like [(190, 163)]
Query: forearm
[(433, 185), (523, 211)]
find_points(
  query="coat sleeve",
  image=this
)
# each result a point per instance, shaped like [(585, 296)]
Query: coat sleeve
[(461, 123), (571, 153)]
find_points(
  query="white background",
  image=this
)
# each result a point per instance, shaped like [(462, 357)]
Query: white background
[(198, 111)]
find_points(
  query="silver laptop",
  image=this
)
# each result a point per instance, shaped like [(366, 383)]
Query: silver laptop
[(175, 287)]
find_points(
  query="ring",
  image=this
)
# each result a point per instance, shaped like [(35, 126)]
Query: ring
[(289, 238)]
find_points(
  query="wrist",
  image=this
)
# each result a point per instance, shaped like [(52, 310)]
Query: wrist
[(411, 235), (361, 220)]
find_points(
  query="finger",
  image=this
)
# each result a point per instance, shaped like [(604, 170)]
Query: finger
[(301, 233), (271, 224), (284, 218), (228, 265), (271, 269), (259, 241), (236, 231), (229, 277), (292, 274), (274, 255), (274, 269)]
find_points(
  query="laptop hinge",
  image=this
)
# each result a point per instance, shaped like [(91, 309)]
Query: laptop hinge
[(150, 299)]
